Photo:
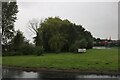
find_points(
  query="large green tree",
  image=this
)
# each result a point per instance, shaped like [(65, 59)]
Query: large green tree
[(60, 35), (49, 28), (9, 11), (56, 42)]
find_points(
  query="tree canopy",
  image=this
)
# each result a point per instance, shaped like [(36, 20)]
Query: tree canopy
[(59, 35), (18, 40), (9, 11)]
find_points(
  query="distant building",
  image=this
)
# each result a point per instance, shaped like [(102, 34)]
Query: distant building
[(106, 42)]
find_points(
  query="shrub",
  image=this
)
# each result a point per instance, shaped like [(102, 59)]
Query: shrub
[(26, 49), (38, 50), (12, 53), (72, 48)]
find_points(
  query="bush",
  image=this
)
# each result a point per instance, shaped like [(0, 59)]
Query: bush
[(26, 49), (12, 53), (72, 48), (89, 45), (38, 50)]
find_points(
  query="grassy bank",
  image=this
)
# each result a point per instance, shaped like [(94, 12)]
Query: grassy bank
[(99, 60)]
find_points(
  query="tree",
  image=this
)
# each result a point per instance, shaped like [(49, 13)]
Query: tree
[(78, 44), (89, 39), (83, 43), (60, 35), (49, 28), (57, 42), (9, 11), (18, 40), (34, 26), (38, 39)]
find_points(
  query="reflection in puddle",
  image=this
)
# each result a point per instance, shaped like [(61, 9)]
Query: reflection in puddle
[(95, 76), (27, 75), (11, 73)]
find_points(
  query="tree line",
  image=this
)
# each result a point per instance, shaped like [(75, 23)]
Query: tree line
[(52, 34)]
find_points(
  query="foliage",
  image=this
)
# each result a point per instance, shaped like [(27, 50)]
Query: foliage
[(19, 45), (38, 39), (60, 35), (78, 44), (9, 11), (89, 40), (18, 40), (57, 42), (11, 53), (38, 50), (27, 49), (81, 44), (52, 35)]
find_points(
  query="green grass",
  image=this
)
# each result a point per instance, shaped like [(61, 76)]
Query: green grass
[(105, 59)]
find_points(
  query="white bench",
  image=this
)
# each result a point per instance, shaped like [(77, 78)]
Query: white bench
[(81, 50)]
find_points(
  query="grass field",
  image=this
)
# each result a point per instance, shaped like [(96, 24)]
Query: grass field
[(93, 59)]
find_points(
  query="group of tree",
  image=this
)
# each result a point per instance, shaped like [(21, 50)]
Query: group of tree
[(13, 42), (57, 35), (52, 34)]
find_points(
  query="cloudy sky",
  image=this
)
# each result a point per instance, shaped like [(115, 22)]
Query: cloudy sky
[(100, 18)]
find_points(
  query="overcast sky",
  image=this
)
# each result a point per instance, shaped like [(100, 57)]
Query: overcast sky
[(100, 18)]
